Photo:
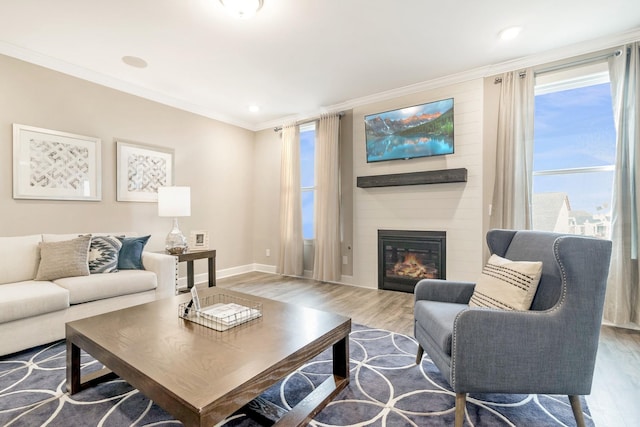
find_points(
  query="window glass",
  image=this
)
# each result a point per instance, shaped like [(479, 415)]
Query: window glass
[(307, 178), (574, 158), (574, 128)]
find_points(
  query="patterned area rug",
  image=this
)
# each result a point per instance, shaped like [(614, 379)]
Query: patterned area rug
[(386, 389)]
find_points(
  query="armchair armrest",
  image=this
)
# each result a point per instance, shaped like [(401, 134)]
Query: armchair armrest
[(164, 266), (444, 291), (506, 352)]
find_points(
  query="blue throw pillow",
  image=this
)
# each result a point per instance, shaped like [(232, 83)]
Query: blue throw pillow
[(130, 257)]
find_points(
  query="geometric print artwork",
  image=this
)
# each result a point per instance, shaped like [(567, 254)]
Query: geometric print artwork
[(103, 254), (58, 165), (145, 173), (386, 389)]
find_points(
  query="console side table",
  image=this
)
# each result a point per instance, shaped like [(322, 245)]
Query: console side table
[(190, 256)]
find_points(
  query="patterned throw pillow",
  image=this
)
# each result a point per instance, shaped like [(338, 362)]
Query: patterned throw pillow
[(505, 284), (103, 254)]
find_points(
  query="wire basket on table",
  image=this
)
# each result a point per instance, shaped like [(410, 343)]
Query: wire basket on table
[(221, 312)]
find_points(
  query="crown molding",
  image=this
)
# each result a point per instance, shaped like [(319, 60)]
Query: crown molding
[(64, 67), (476, 73), (562, 53)]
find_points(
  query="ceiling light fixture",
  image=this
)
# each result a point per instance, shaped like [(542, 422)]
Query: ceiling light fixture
[(254, 108), (243, 9), (509, 33)]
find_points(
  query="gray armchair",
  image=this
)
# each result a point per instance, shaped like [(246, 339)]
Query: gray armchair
[(550, 349)]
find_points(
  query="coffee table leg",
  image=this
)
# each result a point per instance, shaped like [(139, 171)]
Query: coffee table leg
[(341, 358), (73, 367)]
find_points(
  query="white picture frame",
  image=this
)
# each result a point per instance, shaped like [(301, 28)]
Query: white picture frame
[(54, 165), (198, 240), (141, 170)]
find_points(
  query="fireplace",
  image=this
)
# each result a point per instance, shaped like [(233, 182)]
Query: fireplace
[(406, 257)]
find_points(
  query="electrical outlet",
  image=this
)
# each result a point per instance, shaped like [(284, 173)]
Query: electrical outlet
[(345, 260), (268, 252)]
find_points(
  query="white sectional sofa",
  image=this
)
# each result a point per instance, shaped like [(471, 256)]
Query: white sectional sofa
[(34, 312)]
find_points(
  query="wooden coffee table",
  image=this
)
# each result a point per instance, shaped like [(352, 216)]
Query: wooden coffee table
[(199, 375)]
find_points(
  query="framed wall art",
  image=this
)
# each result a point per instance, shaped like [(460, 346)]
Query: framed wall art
[(141, 170), (198, 240), (49, 164)]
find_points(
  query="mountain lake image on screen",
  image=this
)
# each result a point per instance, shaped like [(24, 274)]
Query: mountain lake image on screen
[(418, 131)]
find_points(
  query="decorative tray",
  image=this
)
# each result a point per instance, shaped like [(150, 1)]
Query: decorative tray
[(221, 312)]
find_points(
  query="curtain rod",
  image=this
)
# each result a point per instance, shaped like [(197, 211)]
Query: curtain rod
[(580, 62), (279, 128), (567, 65)]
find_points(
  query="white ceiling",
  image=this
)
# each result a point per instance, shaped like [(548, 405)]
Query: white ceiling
[(296, 58)]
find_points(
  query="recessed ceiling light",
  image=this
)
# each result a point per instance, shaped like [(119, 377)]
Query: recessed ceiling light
[(134, 61), (254, 108), (509, 33)]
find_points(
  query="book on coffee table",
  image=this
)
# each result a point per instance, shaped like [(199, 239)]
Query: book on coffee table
[(229, 314), (219, 312)]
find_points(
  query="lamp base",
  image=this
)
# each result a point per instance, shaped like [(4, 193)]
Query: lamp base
[(176, 242)]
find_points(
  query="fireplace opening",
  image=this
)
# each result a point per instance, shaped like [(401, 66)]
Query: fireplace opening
[(405, 257)]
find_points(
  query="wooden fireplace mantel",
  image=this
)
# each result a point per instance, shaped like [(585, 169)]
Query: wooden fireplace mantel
[(413, 178)]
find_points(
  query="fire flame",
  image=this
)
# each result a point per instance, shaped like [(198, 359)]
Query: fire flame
[(411, 267)]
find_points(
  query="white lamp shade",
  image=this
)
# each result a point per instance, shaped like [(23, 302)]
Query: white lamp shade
[(174, 201)]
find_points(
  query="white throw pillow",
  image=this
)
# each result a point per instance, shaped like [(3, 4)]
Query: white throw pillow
[(505, 284)]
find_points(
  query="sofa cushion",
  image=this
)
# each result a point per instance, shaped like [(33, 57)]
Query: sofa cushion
[(439, 316), (64, 259), (30, 298), (19, 258), (101, 286), (130, 257), (505, 284), (103, 254)]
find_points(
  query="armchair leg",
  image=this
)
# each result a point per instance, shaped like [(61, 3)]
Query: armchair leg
[(577, 410), (461, 400), (419, 355)]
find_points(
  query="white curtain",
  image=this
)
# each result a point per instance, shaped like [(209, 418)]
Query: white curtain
[(622, 304), (290, 260), (326, 260), (511, 207)]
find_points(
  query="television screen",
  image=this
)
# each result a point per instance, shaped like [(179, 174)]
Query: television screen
[(418, 131)]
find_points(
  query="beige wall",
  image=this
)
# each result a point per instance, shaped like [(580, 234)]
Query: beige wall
[(455, 207), (266, 190), (215, 159)]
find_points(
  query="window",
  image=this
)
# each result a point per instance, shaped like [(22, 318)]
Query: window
[(308, 178), (574, 152)]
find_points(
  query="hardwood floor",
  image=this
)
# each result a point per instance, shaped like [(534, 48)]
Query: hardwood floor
[(616, 385)]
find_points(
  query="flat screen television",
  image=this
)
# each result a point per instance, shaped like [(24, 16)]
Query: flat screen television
[(419, 131)]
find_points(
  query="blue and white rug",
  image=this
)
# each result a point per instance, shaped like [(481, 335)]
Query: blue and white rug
[(386, 389)]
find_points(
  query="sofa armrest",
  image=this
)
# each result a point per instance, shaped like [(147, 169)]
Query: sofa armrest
[(444, 291), (164, 266)]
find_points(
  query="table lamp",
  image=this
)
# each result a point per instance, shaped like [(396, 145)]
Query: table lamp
[(175, 202)]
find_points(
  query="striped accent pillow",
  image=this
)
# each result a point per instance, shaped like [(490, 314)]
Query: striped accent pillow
[(505, 284)]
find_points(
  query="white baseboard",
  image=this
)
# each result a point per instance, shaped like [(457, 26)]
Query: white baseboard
[(227, 272), (248, 268)]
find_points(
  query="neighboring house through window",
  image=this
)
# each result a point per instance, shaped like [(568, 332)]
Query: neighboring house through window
[(574, 151)]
